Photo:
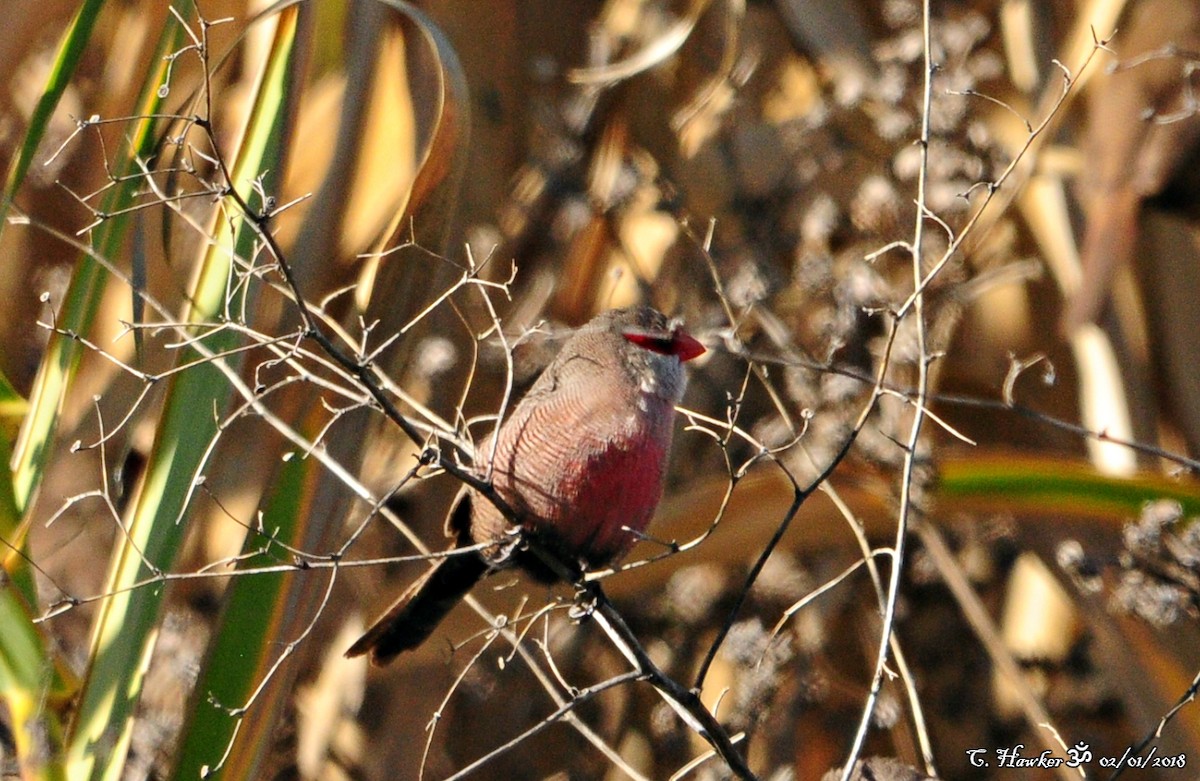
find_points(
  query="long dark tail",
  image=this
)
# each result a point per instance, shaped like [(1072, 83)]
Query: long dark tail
[(412, 618)]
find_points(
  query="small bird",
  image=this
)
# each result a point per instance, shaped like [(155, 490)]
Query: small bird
[(580, 461)]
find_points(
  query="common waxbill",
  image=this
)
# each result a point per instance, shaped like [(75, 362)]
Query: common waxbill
[(580, 460)]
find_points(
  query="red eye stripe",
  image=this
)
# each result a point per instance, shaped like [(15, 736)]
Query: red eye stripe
[(658, 344), (678, 344)]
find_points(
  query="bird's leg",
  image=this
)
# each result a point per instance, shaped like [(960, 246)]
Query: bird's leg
[(584, 603), (505, 548)]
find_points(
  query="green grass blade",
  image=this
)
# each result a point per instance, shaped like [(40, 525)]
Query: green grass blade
[(246, 643), (264, 614), (87, 288), (29, 682), (1069, 488), (125, 628), (28, 676), (13, 409), (65, 62)]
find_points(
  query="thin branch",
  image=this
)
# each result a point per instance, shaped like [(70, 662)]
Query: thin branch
[(686, 702)]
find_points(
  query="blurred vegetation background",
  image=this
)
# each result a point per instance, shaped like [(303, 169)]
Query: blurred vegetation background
[(204, 505)]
